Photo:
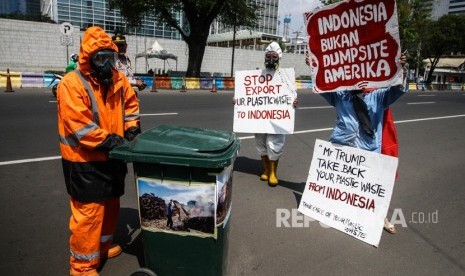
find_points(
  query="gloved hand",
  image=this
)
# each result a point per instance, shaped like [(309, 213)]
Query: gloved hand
[(131, 133), (110, 142), (142, 86)]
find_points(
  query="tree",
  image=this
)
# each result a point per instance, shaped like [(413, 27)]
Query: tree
[(199, 15), (412, 18), (238, 13), (442, 36)]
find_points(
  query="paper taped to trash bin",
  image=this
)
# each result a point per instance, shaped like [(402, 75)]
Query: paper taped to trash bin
[(175, 207)]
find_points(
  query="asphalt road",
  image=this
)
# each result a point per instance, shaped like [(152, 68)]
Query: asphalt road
[(34, 206)]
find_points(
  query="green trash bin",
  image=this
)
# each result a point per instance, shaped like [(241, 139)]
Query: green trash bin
[(184, 181)]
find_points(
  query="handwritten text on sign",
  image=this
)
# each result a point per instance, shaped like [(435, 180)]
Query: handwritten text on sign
[(264, 100), (349, 189), (354, 44)]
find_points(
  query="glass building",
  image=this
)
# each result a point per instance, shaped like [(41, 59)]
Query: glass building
[(84, 13), (443, 7), (25, 7), (267, 24), (456, 6)]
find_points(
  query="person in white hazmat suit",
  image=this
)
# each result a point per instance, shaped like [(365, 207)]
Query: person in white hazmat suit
[(270, 146)]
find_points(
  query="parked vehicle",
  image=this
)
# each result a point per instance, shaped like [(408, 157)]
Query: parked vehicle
[(55, 83)]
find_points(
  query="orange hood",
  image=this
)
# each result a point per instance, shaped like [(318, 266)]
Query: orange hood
[(95, 39)]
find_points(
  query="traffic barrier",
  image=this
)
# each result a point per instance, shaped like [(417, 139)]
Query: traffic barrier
[(228, 82), (219, 83), (31, 79), (206, 83), (163, 82), (176, 82), (9, 88), (456, 86), (304, 84), (15, 79), (192, 83)]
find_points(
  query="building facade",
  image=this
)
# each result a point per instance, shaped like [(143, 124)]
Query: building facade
[(84, 13), (267, 30), (456, 6), (443, 7), (267, 24), (25, 7)]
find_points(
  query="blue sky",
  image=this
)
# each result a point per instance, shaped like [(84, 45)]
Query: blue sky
[(203, 194), (296, 8)]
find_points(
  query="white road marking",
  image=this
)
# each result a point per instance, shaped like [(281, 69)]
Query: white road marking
[(429, 119), (426, 95), (315, 107), (29, 160), (423, 103), (158, 114), (241, 138)]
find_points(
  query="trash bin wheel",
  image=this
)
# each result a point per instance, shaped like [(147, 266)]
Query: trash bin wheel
[(143, 272)]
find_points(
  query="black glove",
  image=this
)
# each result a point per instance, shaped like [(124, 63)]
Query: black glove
[(131, 133), (110, 142)]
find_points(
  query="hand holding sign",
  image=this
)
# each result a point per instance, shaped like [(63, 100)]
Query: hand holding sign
[(354, 41), (349, 189)]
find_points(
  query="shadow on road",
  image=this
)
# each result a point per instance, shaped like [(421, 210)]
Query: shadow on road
[(128, 225), (254, 167), (247, 165)]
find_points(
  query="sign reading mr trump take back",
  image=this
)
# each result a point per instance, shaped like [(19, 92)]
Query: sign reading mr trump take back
[(264, 101), (349, 189), (354, 44)]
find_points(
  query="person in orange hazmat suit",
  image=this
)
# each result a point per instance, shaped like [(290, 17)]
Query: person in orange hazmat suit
[(97, 111)]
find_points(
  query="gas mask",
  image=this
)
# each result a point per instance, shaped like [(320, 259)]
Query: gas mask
[(103, 64), (272, 60)]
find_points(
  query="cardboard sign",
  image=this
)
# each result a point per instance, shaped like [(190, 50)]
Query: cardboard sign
[(349, 189), (354, 44), (264, 101)]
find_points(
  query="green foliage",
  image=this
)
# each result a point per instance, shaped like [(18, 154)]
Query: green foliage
[(240, 13), (199, 15), (281, 44), (412, 17), (442, 37)]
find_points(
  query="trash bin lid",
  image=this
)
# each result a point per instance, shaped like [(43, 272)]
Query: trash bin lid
[(177, 145)]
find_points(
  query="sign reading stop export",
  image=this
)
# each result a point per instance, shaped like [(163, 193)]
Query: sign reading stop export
[(354, 44)]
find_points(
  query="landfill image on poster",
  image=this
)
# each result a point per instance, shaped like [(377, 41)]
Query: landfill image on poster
[(176, 207)]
